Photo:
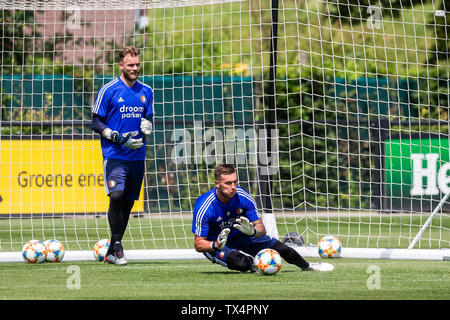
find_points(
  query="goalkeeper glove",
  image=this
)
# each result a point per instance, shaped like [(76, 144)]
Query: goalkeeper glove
[(124, 139), (146, 126), (245, 226), (221, 240)]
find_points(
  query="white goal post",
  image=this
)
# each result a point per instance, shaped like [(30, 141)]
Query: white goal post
[(335, 114)]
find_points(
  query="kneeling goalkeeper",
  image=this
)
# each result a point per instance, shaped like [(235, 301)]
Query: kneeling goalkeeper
[(228, 229)]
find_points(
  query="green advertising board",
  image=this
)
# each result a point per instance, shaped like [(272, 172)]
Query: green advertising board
[(416, 172)]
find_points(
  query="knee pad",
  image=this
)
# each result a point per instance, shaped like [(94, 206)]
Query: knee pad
[(116, 196), (239, 261)]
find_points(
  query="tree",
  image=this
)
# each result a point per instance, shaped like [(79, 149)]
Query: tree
[(16, 28), (441, 30)]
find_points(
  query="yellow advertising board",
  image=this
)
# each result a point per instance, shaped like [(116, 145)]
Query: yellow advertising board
[(53, 176)]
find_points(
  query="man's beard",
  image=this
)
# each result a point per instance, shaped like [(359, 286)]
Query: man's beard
[(127, 76), (226, 196)]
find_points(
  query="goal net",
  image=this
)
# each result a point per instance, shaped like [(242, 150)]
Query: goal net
[(335, 113)]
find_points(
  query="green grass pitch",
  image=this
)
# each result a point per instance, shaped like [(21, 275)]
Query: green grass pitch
[(352, 279), (202, 280)]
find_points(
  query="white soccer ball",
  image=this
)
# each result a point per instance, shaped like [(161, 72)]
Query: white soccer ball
[(100, 249), (34, 251), (268, 262), (55, 250), (329, 247)]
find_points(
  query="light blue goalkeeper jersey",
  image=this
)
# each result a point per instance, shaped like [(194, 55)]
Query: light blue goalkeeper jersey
[(211, 215), (122, 108)]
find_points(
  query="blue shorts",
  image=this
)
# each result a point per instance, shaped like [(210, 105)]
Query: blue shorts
[(125, 176), (250, 247)]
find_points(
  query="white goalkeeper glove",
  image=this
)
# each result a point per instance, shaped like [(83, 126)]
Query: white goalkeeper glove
[(221, 240), (124, 139), (146, 126), (245, 226)]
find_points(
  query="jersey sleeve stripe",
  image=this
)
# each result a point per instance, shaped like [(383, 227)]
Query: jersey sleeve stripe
[(247, 196), (97, 104), (144, 84), (201, 212)]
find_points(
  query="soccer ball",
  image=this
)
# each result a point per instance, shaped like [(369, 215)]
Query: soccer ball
[(268, 262), (55, 250), (100, 249), (330, 247), (34, 251)]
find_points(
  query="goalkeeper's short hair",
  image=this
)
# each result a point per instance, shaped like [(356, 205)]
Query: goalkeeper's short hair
[(133, 51), (225, 169)]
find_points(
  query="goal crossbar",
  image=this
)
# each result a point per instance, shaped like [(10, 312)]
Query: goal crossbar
[(102, 4)]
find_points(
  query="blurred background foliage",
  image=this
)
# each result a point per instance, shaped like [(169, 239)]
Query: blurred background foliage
[(348, 73)]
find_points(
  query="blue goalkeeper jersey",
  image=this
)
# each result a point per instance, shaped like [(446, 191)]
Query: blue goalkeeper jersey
[(122, 108), (212, 215)]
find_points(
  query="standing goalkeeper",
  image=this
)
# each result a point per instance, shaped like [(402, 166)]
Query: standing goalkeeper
[(122, 115), (229, 231)]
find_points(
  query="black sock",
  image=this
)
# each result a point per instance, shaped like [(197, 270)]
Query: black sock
[(290, 255), (115, 218), (126, 211)]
